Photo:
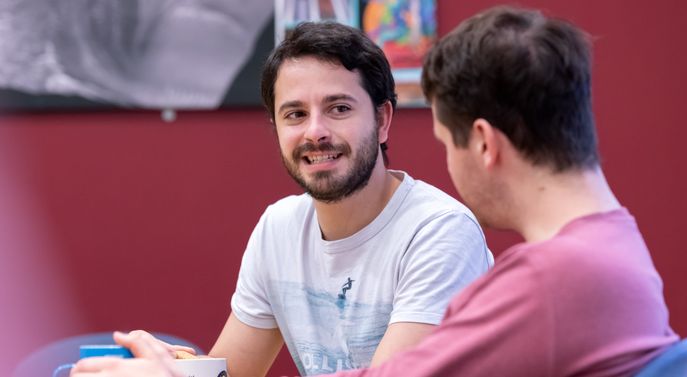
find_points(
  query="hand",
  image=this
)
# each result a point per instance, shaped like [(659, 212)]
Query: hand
[(171, 348), (153, 359)]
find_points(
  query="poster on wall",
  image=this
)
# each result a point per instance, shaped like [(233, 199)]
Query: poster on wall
[(289, 13), (150, 54), (404, 29), (180, 54)]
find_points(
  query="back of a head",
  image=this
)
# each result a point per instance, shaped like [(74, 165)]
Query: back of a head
[(335, 43), (527, 74)]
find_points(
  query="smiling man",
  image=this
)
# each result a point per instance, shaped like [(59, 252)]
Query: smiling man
[(363, 264)]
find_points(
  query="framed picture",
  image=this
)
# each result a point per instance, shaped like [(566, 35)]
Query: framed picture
[(179, 54), (404, 29), (150, 54), (289, 13)]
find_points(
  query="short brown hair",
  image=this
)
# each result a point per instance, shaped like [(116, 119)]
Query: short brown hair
[(527, 74)]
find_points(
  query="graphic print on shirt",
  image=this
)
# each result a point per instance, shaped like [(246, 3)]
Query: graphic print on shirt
[(347, 285), (325, 333)]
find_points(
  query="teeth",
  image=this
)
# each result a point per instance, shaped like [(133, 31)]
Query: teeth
[(321, 158)]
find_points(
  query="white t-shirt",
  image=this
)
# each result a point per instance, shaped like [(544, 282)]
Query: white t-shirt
[(333, 300)]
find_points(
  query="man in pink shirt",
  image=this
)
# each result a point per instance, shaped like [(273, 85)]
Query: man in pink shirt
[(510, 96)]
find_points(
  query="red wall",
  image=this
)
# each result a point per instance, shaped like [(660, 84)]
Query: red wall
[(118, 220)]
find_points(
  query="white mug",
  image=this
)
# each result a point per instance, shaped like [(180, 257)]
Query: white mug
[(203, 367)]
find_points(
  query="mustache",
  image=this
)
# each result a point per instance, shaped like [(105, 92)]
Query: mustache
[(325, 146)]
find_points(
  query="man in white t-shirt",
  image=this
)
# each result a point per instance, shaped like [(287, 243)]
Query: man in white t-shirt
[(364, 263)]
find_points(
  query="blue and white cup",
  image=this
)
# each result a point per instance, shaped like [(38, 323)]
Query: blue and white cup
[(202, 367)]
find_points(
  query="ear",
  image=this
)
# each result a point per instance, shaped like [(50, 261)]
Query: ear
[(274, 127), (384, 114), (485, 141)]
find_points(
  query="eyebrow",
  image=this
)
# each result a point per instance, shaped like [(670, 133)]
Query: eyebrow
[(339, 97), (328, 99), (289, 105)]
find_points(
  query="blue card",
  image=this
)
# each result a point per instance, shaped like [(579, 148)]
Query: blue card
[(104, 350)]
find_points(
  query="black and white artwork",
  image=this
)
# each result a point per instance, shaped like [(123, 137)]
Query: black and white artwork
[(150, 54)]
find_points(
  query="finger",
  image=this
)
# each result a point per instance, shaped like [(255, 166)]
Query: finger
[(140, 336), (184, 355), (190, 350), (139, 333), (143, 345), (95, 364), (172, 348), (176, 347)]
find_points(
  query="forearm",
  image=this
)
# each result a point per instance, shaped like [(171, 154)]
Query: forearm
[(249, 351), (399, 337)]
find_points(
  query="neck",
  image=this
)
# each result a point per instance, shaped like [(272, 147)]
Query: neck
[(346, 217), (548, 201)]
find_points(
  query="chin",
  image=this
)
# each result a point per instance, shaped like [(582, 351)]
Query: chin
[(484, 217), (495, 221), (482, 220)]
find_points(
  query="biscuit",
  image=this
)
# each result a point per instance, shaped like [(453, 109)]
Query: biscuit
[(184, 355)]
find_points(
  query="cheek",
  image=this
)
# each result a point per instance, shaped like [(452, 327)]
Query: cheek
[(455, 170), (451, 164), (285, 140)]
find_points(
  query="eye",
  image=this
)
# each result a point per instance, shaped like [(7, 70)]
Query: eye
[(294, 115), (340, 109)]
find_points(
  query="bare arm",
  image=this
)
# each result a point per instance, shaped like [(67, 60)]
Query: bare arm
[(398, 337), (250, 351)]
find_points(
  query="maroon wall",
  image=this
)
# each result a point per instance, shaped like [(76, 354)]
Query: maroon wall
[(118, 220)]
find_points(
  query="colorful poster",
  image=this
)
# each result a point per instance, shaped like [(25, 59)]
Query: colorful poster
[(405, 30)]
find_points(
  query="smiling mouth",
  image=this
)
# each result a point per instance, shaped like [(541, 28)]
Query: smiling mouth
[(321, 158)]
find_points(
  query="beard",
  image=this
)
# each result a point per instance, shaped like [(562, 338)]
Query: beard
[(324, 185)]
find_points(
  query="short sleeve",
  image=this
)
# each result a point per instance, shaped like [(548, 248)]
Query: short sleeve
[(250, 302), (446, 254)]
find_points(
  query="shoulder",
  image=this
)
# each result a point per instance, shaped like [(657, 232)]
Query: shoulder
[(285, 215), (596, 245), (550, 261), (425, 200), (288, 208), (436, 221), (584, 266), (280, 221)]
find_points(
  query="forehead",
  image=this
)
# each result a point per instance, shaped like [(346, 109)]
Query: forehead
[(311, 79)]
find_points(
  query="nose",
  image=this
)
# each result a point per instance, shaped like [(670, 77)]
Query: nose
[(317, 129)]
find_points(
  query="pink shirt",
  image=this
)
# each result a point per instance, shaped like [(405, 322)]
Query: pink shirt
[(586, 302)]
